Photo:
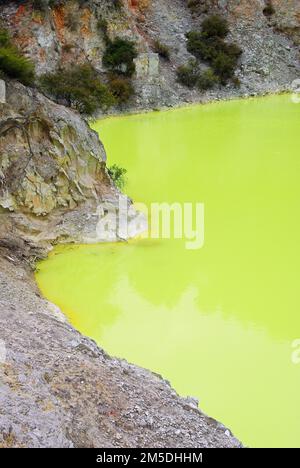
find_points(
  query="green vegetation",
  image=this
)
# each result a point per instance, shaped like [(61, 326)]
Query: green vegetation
[(103, 28), (209, 46), (80, 87), (121, 88), (118, 175), (207, 80), (193, 5), (215, 26), (119, 60), (162, 50), (12, 63), (199, 46), (269, 9), (224, 66), (119, 56), (188, 75)]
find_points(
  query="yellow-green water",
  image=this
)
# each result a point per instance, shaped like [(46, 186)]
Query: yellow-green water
[(217, 322)]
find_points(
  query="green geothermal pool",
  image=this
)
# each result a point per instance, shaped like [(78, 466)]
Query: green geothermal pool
[(217, 322)]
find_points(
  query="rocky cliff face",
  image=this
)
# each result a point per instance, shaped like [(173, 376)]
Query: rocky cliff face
[(270, 60), (286, 18), (51, 158), (70, 33), (53, 176)]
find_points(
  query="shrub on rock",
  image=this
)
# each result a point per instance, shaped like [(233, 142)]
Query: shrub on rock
[(80, 87), (121, 88), (188, 75), (119, 56), (12, 63)]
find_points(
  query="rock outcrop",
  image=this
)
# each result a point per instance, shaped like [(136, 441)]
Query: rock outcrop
[(50, 157), (53, 177), (286, 18), (2, 92)]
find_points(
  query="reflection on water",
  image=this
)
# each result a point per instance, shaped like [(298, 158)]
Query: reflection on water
[(217, 322)]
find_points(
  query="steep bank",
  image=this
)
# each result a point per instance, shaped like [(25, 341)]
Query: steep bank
[(70, 33), (53, 176)]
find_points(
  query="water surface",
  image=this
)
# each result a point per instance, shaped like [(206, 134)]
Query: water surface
[(218, 322)]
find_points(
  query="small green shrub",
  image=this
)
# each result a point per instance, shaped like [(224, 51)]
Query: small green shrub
[(162, 50), (215, 26), (4, 38), (210, 47), (118, 175), (207, 49), (224, 66), (269, 9), (188, 75), (232, 50), (193, 4), (80, 87), (12, 63), (121, 88), (119, 56), (201, 47), (207, 80), (102, 26)]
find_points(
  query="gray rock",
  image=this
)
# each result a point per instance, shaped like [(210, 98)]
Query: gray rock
[(147, 66), (269, 45), (2, 92), (54, 185)]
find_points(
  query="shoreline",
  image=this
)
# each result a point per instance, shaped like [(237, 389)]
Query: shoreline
[(73, 379), (117, 113)]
